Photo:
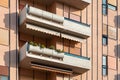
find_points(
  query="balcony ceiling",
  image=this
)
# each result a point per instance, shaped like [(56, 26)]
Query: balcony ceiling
[(80, 4)]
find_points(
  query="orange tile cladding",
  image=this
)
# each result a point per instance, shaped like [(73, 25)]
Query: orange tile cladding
[(4, 70)]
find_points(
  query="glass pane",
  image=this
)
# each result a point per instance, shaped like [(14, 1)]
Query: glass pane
[(104, 60), (111, 7), (104, 1), (104, 9), (104, 40), (4, 78), (104, 71)]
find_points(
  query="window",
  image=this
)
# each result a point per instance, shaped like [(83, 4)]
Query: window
[(3, 78), (104, 1), (111, 4), (112, 7), (104, 65), (104, 40), (104, 7), (104, 70)]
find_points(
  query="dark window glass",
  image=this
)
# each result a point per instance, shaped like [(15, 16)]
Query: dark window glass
[(104, 40)]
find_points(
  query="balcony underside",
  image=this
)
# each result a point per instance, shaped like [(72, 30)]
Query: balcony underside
[(80, 4), (63, 63), (30, 59)]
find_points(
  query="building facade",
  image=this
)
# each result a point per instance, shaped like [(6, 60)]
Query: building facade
[(59, 40)]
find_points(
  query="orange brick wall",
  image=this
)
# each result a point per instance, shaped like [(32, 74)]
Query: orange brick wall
[(4, 70), (91, 47)]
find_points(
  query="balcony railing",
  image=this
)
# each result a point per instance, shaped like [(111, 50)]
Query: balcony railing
[(73, 55), (53, 59), (38, 18), (78, 22), (77, 28)]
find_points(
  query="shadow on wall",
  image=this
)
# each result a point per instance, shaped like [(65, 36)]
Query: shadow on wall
[(117, 77), (117, 21), (11, 21), (115, 50), (10, 58), (117, 53)]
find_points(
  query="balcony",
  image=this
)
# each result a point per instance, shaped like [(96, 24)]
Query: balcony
[(52, 60), (80, 4), (34, 20)]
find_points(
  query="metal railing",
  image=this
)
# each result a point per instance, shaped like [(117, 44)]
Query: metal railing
[(73, 55), (76, 22)]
